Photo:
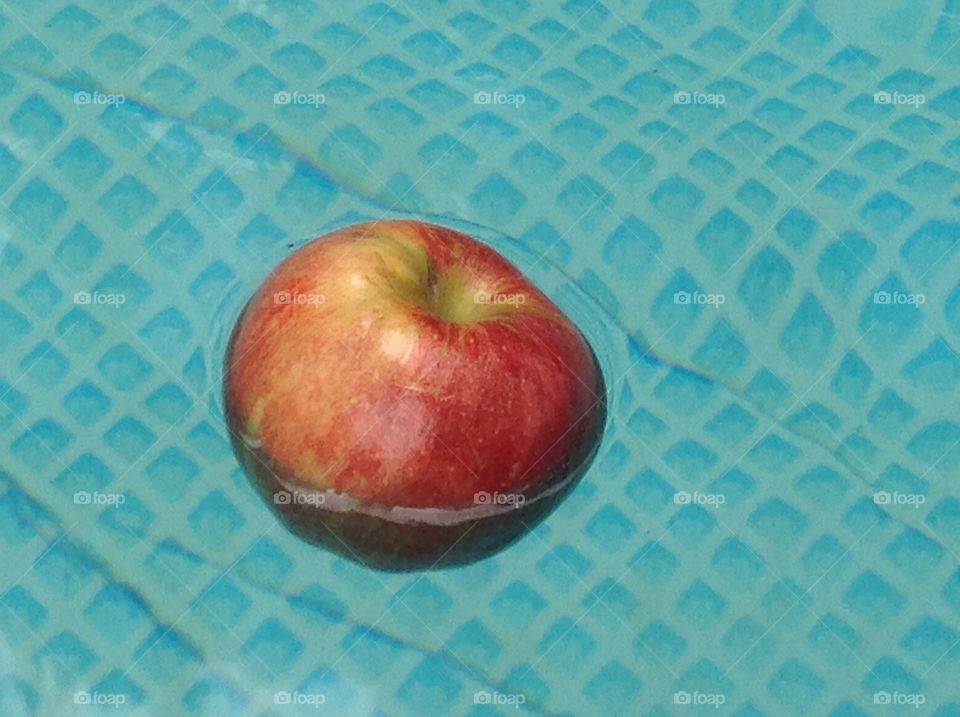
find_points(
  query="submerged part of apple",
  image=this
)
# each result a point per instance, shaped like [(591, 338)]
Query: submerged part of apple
[(403, 395)]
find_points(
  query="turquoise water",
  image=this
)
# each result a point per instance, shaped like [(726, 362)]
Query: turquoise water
[(750, 207)]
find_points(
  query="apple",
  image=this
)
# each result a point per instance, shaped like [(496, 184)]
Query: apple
[(401, 394)]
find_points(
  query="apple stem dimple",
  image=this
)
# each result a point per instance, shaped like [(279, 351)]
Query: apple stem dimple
[(452, 297), (432, 283)]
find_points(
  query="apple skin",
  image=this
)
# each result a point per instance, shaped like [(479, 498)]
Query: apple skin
[(386, 379)]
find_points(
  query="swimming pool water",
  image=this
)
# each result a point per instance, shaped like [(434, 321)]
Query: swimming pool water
[(751, 208)]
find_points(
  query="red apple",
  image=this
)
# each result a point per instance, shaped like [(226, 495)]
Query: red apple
[(403, 395)]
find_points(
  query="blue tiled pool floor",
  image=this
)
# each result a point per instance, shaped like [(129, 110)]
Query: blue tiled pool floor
[(752, 209)]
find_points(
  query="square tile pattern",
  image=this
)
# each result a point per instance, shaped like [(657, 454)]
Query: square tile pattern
[(753, 202)]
